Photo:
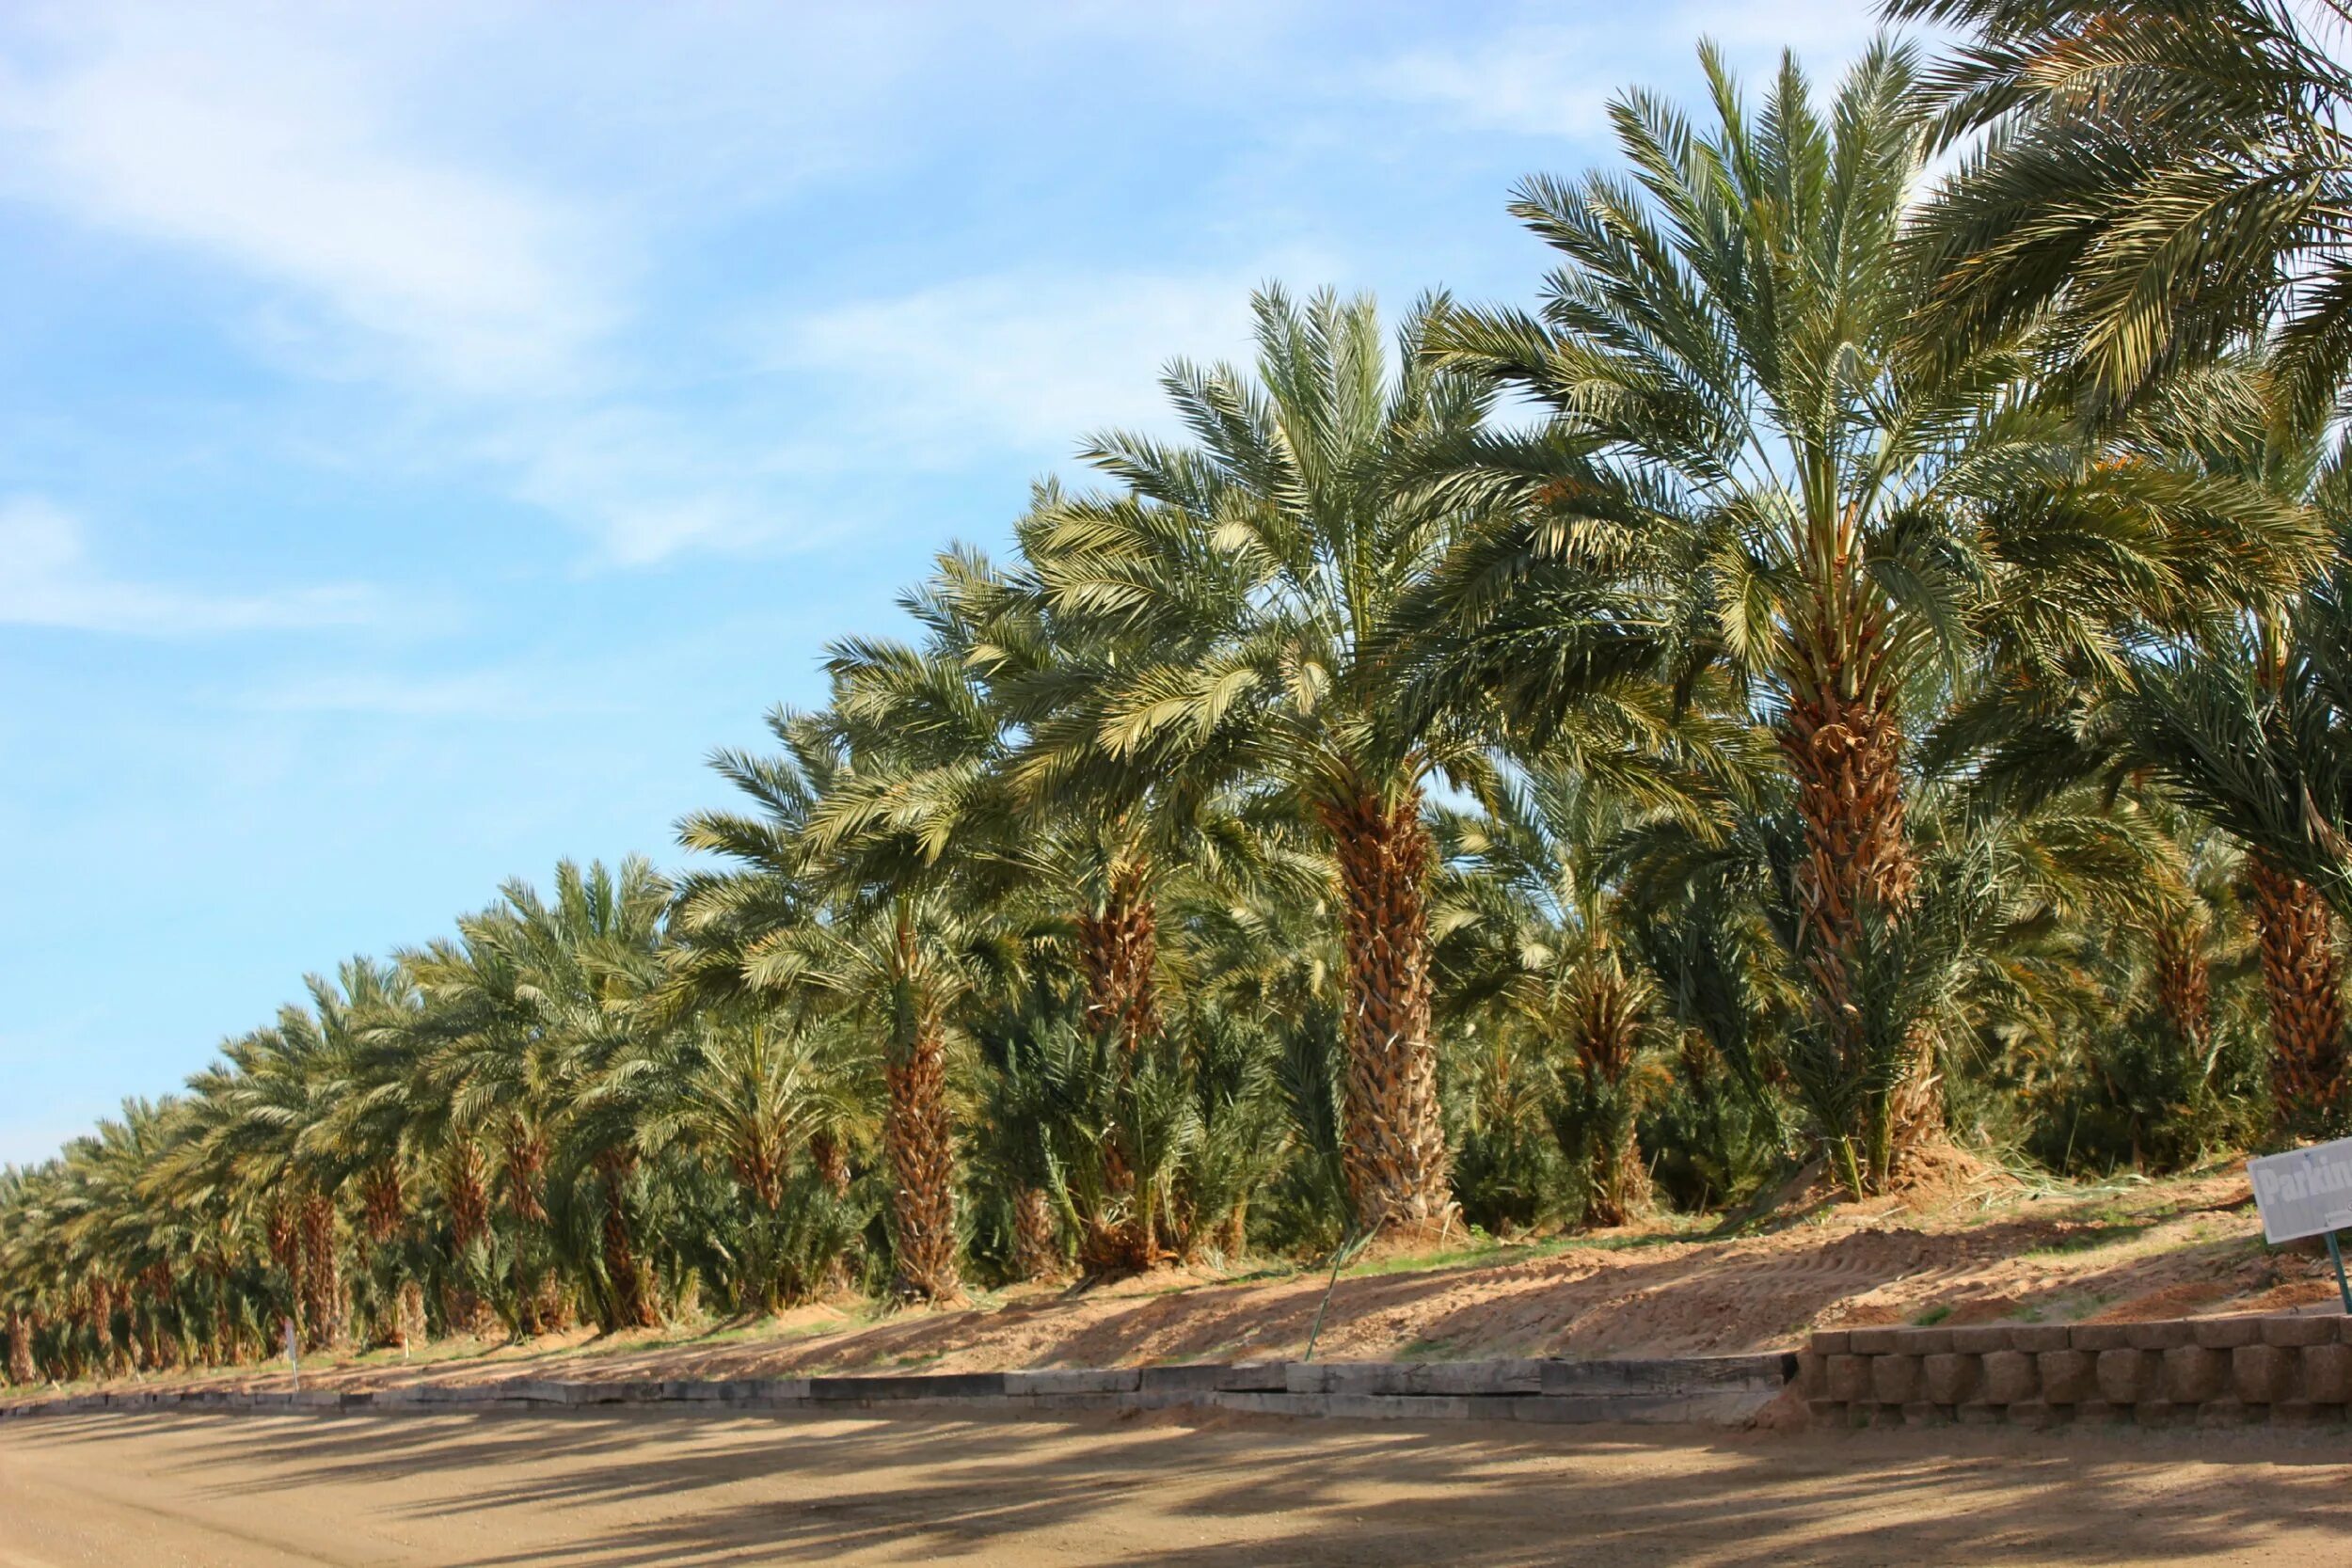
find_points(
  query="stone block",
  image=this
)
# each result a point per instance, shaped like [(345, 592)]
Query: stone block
[(1850, 1379), (1197, 1378), (2067, 1376), (1088, 1380), (2099, 1338), (1952, 1379), (2328, 1374), (932, 1385), (1895, 1379), (1830, 1341), (1980, 1338), (2011, 1377), (1874, 1341), (1975, 1413), (1812, 1375), (2036, 1414), (2193, 1374), (2303, 1413), (2228, 1412), (2101, 1413), (1926, 1413), (2034, 1338), (2264, 1375), (1478, 1379), (1829, 1412), (2225, 1333), (2128, 1376), (2163, 1334), (2158, 1413), (2297, 1332), (1926, 1342)]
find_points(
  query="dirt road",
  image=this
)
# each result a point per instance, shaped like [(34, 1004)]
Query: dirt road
[(648, 1491)]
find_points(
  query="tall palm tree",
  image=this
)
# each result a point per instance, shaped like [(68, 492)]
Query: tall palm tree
[(1742, 474), (1253, 574), (2163, 180)]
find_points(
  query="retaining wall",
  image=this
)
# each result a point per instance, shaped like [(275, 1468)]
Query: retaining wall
[(1718, 1389), (2194, 1371)]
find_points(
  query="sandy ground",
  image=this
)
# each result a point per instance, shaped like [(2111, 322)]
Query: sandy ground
[(2181, 1248), (1990, 1253), (639, 1490)]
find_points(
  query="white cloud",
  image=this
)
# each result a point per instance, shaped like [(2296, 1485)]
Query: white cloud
[(48, 579), (1035, 360), (277, 153), (1552, 79)]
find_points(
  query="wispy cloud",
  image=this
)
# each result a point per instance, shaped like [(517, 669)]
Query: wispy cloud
[(1033, 358), (279, 155), (1555, 79), (47, 579)]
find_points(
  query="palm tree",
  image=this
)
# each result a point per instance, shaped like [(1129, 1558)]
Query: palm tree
[(2163, 180), (1250, 578), (1743, 475), (843, 889), (2207, 709)]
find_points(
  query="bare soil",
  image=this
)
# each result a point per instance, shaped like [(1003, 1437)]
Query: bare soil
[(637, 1489), (1987, 1250)]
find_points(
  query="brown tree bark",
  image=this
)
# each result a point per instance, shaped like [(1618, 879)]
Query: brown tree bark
[(526, 1172), (1036, 1235), (1395, 1156), (2184, 981), (2305, 993), (101, 1311), (831, 1162), (465, 1186), (1608, 1024), (1118, 952), (920, 1148), (321, 1274), (20, 1368), (632, 1304), (383, 1202), (1845, 754)]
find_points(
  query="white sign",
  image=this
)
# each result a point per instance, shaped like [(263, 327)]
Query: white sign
[(2305, 1191)]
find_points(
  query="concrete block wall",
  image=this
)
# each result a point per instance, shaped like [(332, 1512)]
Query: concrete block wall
[(1720, 1389), (2215, 1372)]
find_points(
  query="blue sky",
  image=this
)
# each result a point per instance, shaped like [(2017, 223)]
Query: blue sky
[(425, 432)]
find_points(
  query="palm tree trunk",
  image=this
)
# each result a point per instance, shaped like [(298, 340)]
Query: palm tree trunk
[(1395, 1155), (1845, 753), (465, 1189), (2184, 982), (1118, 952), (2300, 981), (921, 1151), (101, 1311), (1036, 1235), (632, 1305), (322, 1273), (1608, 1047), (21, 1370)]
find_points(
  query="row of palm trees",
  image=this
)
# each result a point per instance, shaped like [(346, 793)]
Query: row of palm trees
[(1860, 668)]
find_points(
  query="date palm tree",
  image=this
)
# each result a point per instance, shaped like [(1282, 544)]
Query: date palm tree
[(2162, 180), (1249, 578), (1742, 472)]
